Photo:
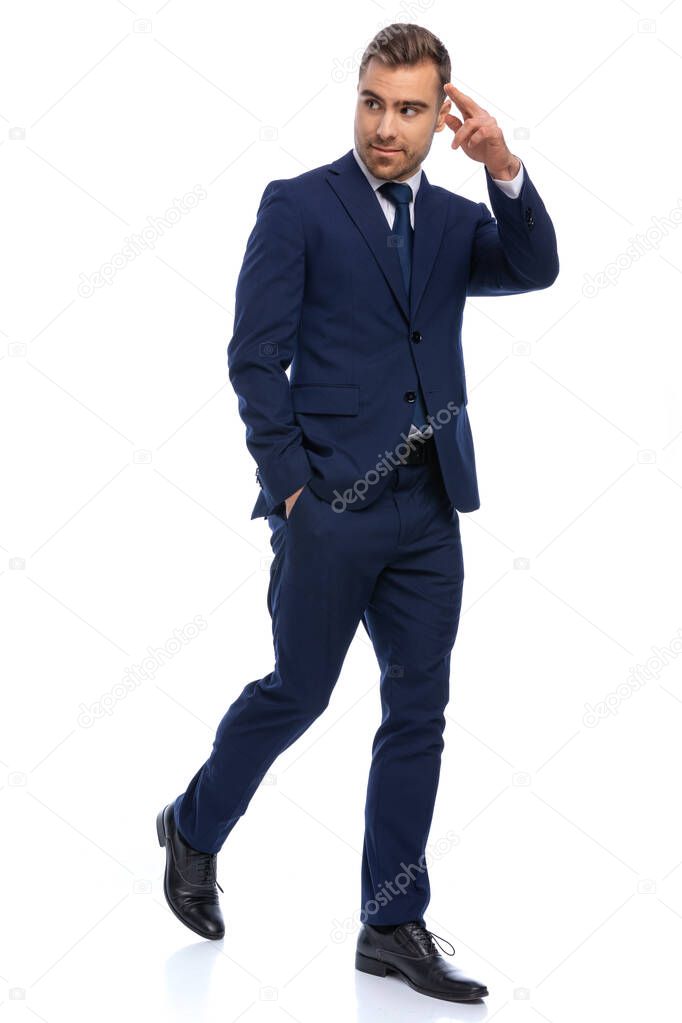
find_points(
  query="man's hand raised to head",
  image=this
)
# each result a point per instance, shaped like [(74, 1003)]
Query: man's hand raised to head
[(480, 136)]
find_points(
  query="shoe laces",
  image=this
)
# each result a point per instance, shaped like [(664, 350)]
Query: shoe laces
[(427, 940), (203, 869), (208, 872)]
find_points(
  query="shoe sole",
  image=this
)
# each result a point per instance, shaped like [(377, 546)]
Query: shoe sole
[(163, 839), (378, 969)]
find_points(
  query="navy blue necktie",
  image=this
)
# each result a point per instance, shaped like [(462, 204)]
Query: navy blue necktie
[(401, 197), (402, 235)]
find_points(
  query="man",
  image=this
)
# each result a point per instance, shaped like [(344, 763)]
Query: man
[(355, 276)]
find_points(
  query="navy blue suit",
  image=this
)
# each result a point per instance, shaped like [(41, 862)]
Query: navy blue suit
[(321, 291)]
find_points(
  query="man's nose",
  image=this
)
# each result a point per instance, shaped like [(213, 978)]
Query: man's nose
[(386, 129)]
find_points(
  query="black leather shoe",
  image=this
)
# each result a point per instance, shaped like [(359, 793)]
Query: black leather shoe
[(189, 882), (410, 952)]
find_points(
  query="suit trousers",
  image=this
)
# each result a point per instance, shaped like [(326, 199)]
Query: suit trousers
[(396, 566)]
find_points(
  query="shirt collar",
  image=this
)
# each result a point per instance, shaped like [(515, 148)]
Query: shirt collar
[(375, 182)]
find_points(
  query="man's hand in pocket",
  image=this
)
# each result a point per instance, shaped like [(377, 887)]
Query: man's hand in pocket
[(290, 501)]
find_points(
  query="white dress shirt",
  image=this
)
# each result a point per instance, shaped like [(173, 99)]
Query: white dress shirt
[(510, 188)]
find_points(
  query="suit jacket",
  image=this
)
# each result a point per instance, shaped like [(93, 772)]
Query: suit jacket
[(321, 291)]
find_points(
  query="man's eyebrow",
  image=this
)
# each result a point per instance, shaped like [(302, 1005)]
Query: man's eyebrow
[(398, 102)]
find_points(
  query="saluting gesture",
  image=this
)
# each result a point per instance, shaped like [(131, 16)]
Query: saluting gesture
[(480, 136)]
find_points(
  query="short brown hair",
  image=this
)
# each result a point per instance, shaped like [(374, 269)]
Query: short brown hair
[(402, 43)]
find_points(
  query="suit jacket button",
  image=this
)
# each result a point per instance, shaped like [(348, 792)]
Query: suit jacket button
[(416, 336), (410, 396)]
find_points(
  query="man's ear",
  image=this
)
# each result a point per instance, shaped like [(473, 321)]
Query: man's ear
[(445, 109)]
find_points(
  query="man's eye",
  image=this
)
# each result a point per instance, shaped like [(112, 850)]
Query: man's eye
[(414, 109)]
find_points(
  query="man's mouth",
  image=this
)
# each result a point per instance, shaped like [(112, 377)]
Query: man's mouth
[(382, 149)]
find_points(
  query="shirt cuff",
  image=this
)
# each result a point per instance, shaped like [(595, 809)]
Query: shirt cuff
[(512, 187)]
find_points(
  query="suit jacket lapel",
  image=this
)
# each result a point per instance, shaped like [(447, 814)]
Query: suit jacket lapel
[(430, 211), (430, 215)]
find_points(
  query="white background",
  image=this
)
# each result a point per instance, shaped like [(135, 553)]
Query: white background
[(127, 489)]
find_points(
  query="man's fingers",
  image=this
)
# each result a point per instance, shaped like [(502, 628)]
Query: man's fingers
[(471, 125), (454, 123), (463, 102), (484, 134)]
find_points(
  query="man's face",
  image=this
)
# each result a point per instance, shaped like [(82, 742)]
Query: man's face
[(397, 113)]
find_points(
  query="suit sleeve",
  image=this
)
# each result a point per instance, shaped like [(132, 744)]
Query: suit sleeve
[(268, 302), (514, 248)]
